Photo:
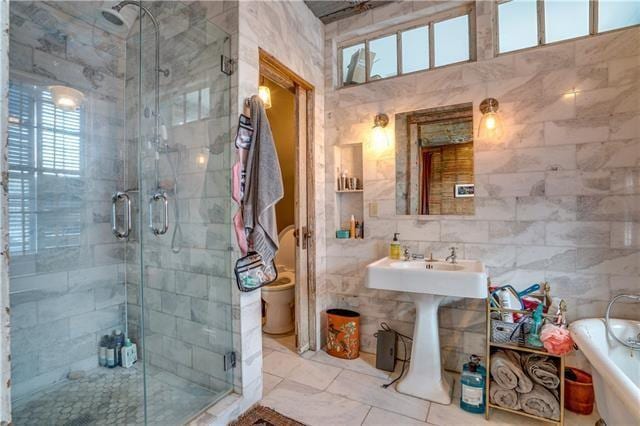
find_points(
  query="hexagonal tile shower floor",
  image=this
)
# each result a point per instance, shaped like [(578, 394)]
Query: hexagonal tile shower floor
[(114, 396)]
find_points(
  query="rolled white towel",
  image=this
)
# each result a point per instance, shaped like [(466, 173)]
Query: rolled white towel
[(540, 402), (507, 398), (506, 370), (541, 370)]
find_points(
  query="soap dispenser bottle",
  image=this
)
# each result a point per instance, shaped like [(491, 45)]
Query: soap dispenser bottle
[(474, 375), (395, 251)]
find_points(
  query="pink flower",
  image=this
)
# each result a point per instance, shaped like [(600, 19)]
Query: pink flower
[(556, 340)]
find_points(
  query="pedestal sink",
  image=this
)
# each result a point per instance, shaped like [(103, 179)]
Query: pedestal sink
[(429, 283)]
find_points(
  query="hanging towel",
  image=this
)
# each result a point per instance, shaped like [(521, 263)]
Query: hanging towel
[(506, 370), (507, 398), (541, 370), (540, 402), (263, 187), (238, 178)]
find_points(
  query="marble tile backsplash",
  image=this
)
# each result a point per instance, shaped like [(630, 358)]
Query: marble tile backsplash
[(556, 198)]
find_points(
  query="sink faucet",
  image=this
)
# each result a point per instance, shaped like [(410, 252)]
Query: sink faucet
[(453, 256)]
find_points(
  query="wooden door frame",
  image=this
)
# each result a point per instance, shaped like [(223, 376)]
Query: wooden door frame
[(280, 74)]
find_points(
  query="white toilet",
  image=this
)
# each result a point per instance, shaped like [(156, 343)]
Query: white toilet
[(279, 296)]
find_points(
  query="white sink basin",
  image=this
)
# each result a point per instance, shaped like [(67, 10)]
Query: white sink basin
[(438, 266), (465, 278), (430, 282)]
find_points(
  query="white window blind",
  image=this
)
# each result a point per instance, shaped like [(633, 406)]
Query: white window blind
[(59, 138), (44, 160), (21, 172)]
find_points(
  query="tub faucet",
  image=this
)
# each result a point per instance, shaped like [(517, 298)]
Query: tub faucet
[(453, 256), (631, 343)]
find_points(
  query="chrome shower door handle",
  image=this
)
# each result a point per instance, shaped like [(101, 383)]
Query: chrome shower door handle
[(114, 216), (159, 196)]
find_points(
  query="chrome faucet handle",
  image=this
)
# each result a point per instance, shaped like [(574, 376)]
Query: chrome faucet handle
[(453, 256), (406, 254), (416, 256)]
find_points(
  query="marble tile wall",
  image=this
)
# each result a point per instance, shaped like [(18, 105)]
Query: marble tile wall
[(266, 25), (556, 197), (5, 354), (65, 297)]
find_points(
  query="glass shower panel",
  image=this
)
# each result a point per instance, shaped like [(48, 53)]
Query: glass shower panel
[(82, 127), (184, 214), (67, 269)]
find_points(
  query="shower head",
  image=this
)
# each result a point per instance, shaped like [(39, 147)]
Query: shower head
[(113, 16), (120, 16)]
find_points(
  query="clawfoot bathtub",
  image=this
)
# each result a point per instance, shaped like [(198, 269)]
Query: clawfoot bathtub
[(616, 368)]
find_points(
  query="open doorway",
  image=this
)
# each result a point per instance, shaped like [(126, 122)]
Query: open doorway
[(289, 303)]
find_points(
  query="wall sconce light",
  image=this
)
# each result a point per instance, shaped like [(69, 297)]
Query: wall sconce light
[(380, 138), (490, 124), (66, 98), (265, 94)]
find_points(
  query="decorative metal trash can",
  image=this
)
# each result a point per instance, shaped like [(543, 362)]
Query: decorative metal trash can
[(343, 333)]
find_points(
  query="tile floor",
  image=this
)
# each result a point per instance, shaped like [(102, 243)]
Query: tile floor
[(318, 389), (114, 397)]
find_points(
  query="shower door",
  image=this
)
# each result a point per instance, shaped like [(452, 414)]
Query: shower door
[(183, 213)]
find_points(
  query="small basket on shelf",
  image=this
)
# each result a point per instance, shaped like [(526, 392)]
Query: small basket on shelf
[(510, 332), (512, 326)]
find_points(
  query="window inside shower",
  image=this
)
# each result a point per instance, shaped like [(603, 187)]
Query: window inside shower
[(44, 143), (156, 140)]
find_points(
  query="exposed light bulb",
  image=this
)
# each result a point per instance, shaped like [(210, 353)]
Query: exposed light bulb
[(490, 123), (265, 94), (380, 139)]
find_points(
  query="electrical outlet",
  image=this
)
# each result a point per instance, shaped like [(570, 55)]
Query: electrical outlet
[(373, 209)]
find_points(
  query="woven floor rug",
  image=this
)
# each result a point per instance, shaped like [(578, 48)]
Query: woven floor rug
[(264, 416)]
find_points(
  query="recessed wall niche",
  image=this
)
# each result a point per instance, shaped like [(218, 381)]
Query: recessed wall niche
[(348, 184)]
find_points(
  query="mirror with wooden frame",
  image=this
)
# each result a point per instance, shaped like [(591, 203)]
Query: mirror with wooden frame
[(434, 161)]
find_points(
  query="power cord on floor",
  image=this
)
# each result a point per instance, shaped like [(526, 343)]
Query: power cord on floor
[(405, 360)]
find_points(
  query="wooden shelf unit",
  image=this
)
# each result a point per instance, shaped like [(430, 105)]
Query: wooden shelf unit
[(520, 348)]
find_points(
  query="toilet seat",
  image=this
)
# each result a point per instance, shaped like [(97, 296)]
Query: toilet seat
[(279, 296), (285, 281)]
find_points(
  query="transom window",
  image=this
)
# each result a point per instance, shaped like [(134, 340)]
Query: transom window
[(528, 23), (429, 44)]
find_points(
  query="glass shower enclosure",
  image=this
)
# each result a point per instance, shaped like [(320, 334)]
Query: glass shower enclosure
[(119, 212)]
